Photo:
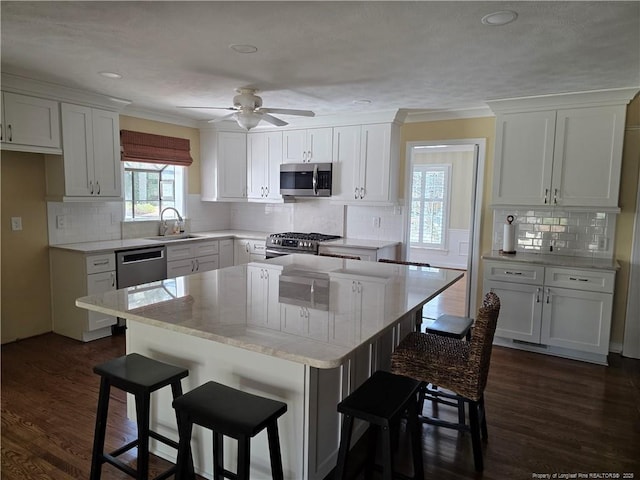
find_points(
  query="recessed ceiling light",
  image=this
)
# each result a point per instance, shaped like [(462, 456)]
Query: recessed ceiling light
[(243, 48), (499, 18), (362, 101), (110, 74)]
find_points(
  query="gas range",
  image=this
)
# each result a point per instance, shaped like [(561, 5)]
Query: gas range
[(279, 244)]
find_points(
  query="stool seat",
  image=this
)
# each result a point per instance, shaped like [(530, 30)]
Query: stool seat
[(451, 326), (136, 372), (381, 400), (228, 412), (140, 376)]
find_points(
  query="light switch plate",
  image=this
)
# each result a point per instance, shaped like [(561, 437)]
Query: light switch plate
[(16, 223)]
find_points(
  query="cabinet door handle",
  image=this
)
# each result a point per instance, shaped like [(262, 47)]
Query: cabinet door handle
[(10, 133), (98, 184), (538, 295), (361, 193), (193, 265), (555, 196), (100, 262), (309, 156), (355, 193), (113, 279), (304, 157), (548, 294), (507, 272), (1, 133), (575, 279), (91, 186), (353, 286), (546, 195)]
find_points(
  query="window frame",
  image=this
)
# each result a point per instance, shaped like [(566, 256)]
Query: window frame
[(180, 186), (446, 168)]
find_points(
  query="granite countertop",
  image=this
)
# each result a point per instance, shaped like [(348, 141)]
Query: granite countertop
[(217, 305), (113, 245), (360, 243), (554, 260)]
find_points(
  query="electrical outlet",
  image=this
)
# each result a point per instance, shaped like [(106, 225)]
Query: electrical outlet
[(60, 221), (376, 222), (16, 223)]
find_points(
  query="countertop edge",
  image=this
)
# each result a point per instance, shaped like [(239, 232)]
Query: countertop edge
[(554, 260)]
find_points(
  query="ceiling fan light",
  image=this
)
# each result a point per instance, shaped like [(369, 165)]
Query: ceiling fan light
[(247, 120)]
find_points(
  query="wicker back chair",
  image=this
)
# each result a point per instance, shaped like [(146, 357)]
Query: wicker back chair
[(459, 366)]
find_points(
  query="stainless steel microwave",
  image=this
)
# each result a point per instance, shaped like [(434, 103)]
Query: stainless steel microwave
[(306, 179)]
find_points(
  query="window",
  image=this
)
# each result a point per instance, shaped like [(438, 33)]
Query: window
[(151, 187), (429, 205)]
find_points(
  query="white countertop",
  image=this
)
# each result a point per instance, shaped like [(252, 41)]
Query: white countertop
[(359, 243), (222, 306), (554, 260), (112, 245)]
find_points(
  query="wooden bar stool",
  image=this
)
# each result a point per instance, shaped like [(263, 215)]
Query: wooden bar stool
[(140, 376), (236, 414), (381, 400)]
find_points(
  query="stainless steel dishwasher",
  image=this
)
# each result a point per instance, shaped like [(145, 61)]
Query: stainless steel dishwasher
[(137, 266)]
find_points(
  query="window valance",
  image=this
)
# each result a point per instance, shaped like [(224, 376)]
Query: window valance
[(150, 148)]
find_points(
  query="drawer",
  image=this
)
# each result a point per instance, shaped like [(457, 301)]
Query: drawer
[(514, 272), (105, 262), (257, 246), (205, 248), (180, 252), (590, 280), (98, 320)]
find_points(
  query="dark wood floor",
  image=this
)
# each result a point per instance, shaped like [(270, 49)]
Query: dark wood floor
[(545, 415)]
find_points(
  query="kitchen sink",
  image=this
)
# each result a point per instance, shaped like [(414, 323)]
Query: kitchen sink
[(173, 238)]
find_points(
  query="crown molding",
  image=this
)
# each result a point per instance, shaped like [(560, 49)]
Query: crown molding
[(593, 98), (52, 91), (416, 116), (160, 117)]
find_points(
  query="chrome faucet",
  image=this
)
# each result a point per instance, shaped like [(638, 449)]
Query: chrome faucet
[(163, 223)]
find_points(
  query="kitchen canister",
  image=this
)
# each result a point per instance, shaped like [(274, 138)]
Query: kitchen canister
[(509, 236)]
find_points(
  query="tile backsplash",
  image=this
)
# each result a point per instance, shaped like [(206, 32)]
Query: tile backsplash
[(557, 231), (83, 221)]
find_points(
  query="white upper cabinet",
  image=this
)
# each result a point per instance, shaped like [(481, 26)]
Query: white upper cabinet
[(29, 123), (264, 156), (365, 167), (568, 154), (90, 165), (223, 165), (314, 145)]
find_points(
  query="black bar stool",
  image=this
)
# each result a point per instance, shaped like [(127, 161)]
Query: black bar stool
[(140, 376), (381, 400), (227, 411)]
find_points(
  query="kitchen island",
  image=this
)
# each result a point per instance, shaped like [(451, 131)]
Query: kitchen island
[(302, 329)]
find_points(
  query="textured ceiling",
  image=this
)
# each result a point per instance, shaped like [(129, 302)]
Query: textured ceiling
[(323, 55)]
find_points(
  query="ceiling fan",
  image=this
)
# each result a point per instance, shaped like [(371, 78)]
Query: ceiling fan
[(248, 110)]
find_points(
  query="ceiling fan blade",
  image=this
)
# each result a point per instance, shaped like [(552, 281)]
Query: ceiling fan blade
[(211, 108), (226, 117), (273, 120), (288, 111)]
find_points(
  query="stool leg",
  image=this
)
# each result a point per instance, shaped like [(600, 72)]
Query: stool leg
[(100, 430), (483, 419), (475, 435), (345, 440), (275, 455), (218, 456), (176, 391), (142, 417), (416, 441), (244, 457), (372, 443), (387, 454), (184, 462)]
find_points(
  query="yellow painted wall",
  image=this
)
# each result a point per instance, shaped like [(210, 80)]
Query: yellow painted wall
[(26, 298), (170, 130), (630, 178)]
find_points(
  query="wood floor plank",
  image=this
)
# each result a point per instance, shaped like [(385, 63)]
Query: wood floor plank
[(544, 414)]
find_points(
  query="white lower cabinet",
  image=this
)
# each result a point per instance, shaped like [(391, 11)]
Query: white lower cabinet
[(263, 309), (225, 247), (73, 275), (248, 250), (192, 257), (538, 312)]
